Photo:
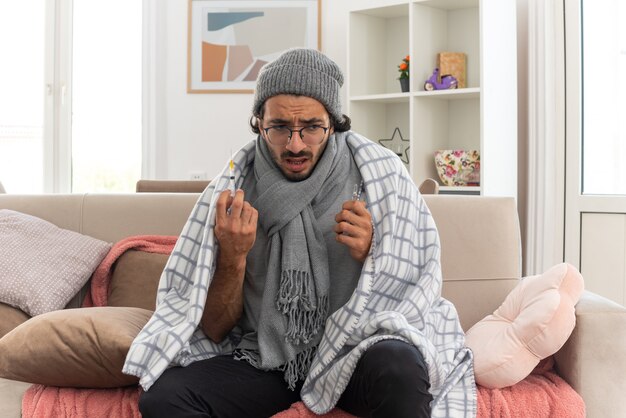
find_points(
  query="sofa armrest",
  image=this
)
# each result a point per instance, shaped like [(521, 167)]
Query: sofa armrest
[(11, 394), (593, 360)]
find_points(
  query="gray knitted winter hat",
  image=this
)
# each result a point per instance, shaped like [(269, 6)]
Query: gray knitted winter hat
[(303, 72)]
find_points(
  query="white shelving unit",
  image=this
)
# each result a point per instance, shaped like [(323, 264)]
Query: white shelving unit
[(481, 116)]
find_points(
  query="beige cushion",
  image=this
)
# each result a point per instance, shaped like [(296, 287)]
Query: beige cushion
[(171, 186), (480, 237), (84, 347), (135, 279), (109, 217), (42, 266), (113, 217), (480, 251), (10, 317), (533, 322), (477, 298)]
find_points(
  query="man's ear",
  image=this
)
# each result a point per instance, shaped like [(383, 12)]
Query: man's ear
[(331, 125), (260, 126)]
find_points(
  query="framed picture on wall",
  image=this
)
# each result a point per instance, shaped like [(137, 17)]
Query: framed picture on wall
[(230, 40)]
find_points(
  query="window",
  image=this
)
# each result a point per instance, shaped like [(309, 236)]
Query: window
[(22, 100), (71, 103), (595, 181), (106, 96), (604, 97)]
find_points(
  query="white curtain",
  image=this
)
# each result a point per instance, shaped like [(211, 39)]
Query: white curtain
[(546, 137)]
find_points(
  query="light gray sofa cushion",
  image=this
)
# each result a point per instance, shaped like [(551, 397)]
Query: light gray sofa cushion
[(42, 266)]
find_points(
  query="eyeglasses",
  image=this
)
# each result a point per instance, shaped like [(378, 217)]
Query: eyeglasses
[(280, 135)]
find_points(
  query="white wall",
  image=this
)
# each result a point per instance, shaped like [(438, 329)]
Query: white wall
[(196, 132)]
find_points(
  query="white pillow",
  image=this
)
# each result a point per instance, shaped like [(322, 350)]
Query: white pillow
[(41, 265)]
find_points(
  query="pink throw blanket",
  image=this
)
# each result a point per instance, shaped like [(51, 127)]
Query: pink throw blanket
[(161, 244), (52, 402), (542, 394)]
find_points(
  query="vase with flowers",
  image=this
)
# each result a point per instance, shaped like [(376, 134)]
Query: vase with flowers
[(403, 68)]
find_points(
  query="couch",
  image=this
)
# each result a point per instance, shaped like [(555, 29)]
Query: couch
[(481, 262)]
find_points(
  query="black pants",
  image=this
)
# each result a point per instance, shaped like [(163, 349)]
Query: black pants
[(390, 380)]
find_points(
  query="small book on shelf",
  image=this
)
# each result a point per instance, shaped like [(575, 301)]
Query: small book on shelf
[(452, 63)]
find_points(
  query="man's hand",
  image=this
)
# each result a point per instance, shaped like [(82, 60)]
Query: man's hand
[(354, 229), (235, 229)]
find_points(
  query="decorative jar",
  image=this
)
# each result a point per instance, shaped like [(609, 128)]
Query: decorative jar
[(458, 167)]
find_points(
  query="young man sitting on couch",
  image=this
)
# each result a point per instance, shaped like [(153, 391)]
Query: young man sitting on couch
[(317, 279)]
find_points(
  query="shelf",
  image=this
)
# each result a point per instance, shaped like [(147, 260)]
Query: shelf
[(452, 26), (386, 12), (448, 4), (453, 94), (383, 98), (481, 116), (379, 39), (470, 190)]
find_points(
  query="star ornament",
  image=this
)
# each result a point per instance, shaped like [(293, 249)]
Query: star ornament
[(398, 145)]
